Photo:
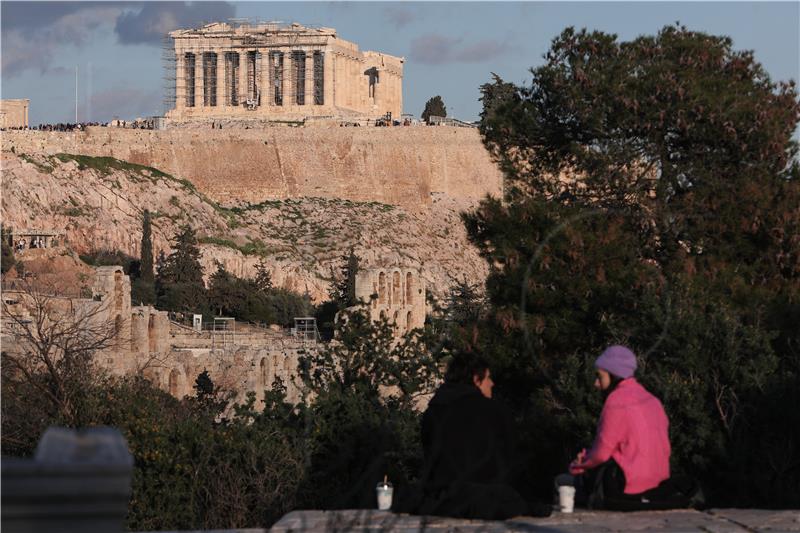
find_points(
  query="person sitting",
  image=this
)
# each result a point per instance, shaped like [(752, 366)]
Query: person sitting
[(469, 460), (630, 455)]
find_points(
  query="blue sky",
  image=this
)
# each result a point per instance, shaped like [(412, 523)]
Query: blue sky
[(451, 48)]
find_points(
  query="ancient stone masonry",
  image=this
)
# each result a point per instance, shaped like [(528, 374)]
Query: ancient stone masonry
[(168, 354), (14, 113), (277, 71), (394, 293), (399, 166)]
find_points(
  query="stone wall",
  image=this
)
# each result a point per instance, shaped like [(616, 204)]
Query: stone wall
[(400, 165), (14, 113), (169, 355), (394, 293)]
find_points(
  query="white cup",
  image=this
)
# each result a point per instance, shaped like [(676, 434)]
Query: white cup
[(566, 498), (384, 491)]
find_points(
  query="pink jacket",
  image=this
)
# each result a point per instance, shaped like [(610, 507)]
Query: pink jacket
[(633, 430)]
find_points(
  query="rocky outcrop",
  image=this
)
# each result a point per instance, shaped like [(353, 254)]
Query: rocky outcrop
[(99, 202)]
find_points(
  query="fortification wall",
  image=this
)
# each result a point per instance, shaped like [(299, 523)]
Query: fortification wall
[(401, 165)]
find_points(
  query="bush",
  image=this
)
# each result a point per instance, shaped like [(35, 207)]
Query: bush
[(203, 463)]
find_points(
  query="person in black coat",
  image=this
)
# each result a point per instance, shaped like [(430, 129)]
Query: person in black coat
[(470, 460)]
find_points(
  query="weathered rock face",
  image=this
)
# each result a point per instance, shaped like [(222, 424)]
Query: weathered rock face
[(405, 166), (99, 203)]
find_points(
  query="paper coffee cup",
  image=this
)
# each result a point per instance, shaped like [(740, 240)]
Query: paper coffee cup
[(566, 498), (384, 492)]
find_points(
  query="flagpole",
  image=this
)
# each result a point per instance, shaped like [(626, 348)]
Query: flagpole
[(76, 94)]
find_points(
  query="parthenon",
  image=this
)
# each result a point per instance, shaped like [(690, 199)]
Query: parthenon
[(279, 71)]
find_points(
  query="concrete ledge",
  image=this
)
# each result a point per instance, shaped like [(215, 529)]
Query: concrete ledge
[(714, 521)]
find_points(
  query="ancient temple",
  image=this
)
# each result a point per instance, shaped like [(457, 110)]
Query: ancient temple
[(278, 71)]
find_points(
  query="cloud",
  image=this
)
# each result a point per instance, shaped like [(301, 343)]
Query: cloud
[(32, 32), (149, 25), (37, 15), (434, 49), (27, 45), (399, 16)]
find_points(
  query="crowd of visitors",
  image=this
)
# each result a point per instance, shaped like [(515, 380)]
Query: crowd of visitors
[(140, 124)]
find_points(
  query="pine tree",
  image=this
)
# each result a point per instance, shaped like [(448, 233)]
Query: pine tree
[(146, 272), (263, 279), (179, 285), (343, 291), (434, 108), (222, 291), (183, 264), (142, 278)]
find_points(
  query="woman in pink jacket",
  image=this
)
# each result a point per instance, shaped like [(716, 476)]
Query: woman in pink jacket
[(630, 456)]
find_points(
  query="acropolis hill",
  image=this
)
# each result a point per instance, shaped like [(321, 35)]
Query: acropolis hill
[(301, 196), (263, 161), (401, 165)]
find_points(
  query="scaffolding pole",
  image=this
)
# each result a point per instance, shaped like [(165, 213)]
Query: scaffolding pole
[(170, 78)]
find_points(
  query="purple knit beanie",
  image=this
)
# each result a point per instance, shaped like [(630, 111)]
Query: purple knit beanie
[(617, 360)]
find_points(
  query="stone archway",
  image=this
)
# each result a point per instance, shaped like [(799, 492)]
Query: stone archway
[(151, 333), (264, 372), (382, 296), (118, 290), (287, 366), (396, 289), (174, 382)]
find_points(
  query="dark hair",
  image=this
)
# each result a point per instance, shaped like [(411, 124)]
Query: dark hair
[(615, 381), (464, 366)]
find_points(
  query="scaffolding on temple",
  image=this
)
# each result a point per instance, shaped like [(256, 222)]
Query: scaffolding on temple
[(169, 64), (208, 77)]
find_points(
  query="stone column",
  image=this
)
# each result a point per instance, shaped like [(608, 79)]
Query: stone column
[(288, 81), (381, 78), (266, 82), (398, 81), (309, 96), (349, 83), (244, 64), (344, 81), (327, 78), (357, 92), (363, 86), (199, 62), (221, 77), (180, 79)]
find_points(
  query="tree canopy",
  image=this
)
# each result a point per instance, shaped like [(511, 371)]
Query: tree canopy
[(434, 107), (651, 199), (179, 281)]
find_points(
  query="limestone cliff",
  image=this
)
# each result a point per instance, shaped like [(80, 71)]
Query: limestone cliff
[(406, 166), (98, 203)]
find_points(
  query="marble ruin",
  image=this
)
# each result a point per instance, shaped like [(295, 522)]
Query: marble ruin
[(395, 294), (14, 113), (274, 71), (247, 358)]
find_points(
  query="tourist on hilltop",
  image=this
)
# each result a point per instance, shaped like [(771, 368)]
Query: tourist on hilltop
[(470, 461), (627, 468)]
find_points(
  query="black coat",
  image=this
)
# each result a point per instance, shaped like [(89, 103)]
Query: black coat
[(469, 459)]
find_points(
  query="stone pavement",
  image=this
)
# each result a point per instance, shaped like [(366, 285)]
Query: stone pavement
[(712, 521)]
